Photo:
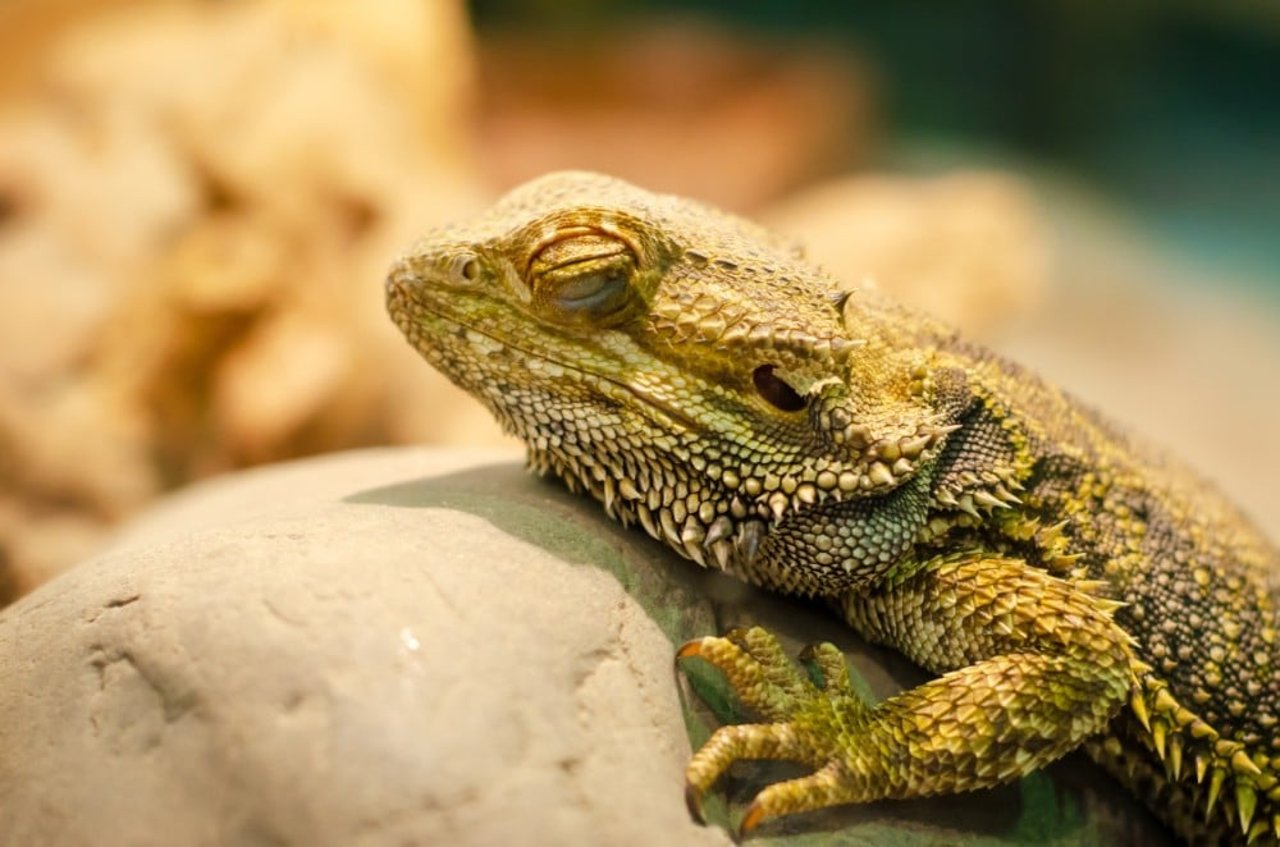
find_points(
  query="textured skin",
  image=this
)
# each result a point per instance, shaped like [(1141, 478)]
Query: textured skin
[(1069, 585)]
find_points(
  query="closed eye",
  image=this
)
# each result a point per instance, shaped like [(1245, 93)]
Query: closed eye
[(584, 279), (597, 293)]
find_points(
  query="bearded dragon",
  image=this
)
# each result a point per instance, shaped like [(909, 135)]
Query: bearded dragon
[(1069, 585)]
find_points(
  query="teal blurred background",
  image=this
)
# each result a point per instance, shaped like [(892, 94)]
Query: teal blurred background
[(1172, 109)]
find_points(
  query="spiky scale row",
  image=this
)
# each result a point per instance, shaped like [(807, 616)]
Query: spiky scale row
[(1222, 766)]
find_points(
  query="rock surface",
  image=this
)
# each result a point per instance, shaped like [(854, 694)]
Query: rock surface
[(405, 647)]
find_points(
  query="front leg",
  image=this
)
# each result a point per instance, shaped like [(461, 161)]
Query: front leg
[(1031, 665)]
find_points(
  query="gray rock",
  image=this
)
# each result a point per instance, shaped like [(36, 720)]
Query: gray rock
[(407, 647)]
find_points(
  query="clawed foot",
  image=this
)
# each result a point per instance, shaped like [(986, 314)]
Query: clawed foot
[(811, 718)]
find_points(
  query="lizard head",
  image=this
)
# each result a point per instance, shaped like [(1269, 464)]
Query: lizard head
[(659, 351)]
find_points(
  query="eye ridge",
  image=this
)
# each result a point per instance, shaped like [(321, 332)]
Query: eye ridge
[(775, 390)]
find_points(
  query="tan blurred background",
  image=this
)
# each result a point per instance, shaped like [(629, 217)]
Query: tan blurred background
[(198, 201)]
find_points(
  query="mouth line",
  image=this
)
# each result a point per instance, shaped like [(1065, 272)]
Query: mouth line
[(644, 398)]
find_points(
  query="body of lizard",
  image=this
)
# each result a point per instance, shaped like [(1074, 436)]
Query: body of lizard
[(1070, 586)]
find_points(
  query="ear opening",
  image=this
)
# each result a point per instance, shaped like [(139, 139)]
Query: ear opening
[(776, 391)]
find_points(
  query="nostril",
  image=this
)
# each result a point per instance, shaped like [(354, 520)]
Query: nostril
[(470, 270), (401, 277)]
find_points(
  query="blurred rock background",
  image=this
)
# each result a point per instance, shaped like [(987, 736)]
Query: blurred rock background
[(198, 201)]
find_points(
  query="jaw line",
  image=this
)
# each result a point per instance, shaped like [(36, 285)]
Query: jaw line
[(674, 415)]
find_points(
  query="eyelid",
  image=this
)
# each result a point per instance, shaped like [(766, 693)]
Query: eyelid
[(550, 239), (584, 286), (550, 231), (585, 277), (581, 248)]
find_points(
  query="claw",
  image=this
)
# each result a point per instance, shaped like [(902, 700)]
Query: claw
[(690, 648), (693, 799), (750, 820)]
